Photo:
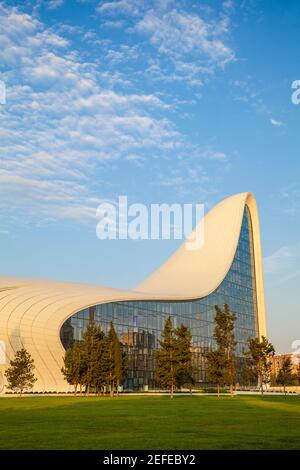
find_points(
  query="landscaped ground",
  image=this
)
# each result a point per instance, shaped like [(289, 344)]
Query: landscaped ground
[(198, 422)]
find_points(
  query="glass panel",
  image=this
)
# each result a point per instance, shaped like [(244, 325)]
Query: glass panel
[(139, 324)]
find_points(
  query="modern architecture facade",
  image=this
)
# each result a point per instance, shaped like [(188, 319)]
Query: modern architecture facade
[(45, 317)]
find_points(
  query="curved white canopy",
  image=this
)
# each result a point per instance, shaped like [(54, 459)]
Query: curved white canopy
[(33, 311)]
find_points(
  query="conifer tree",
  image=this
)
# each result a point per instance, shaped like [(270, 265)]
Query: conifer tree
[(215, 368), (101, 373), (20, 373), (285, 375), (73, 369), (120, 365), (225, 340), (224, 336), (116, 360), (166, 359), (67, 369), (257, 363), (184, 365), (95, 362), (92, 342)]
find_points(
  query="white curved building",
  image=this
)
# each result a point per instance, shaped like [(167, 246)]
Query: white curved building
[(45, 316)]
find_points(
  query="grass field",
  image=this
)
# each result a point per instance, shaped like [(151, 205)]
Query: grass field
[(199, 422)]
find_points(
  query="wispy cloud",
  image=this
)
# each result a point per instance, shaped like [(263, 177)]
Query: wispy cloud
[(288, 199), (132, 7), (276, 123), (181, 46), (69, 121), (54, 4), (283, 265), (61, 125), (178, 33), (192, 173), (274, 263)]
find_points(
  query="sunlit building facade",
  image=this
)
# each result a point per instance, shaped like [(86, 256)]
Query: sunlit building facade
[(227, 269)]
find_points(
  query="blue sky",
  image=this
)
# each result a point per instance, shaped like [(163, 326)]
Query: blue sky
[(162, 101)]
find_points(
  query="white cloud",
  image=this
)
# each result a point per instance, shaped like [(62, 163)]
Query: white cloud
[(65, 126), (210, 154), (138, 160), (283, 265), (192, 172), (61, 125), (113, 24), (275, 122), (289, 199), (132, 7), (54, 4), (179, 33), (274, 263), (187, 46)]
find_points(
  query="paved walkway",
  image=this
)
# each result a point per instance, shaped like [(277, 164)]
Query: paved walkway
[(153, 394)]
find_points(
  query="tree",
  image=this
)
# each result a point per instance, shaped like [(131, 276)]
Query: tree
[(166, 360), (285, 375), (100, 374), (298, 375), (95, 362), (74, 366), (221, 362), (116, 361), (257, 361), (183, 354), (20, 375), (215, 368), (93, 338)]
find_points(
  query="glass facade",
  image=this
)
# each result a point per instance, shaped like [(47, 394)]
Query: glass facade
[(139, 324)]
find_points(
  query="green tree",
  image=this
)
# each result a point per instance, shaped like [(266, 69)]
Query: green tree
[(74, 366), (116, 362), (215, 368), (257, 362), (20, 373), (166, 359), (222, 365), (101, 371), (183, 353), (95, 362), (93, 338), (285, 374)]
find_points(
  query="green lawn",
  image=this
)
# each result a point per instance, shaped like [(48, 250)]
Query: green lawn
[(132, 422)]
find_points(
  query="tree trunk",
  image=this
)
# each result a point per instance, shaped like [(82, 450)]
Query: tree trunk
[(117, 388), (218, 390), (88, 390), (112, 389), (75, 389), (172, 391), (80, 388)]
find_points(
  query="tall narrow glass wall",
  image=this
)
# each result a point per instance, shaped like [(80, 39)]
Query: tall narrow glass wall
[(139, 324)]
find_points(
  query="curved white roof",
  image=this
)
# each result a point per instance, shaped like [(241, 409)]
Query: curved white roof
[(33, 311)]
